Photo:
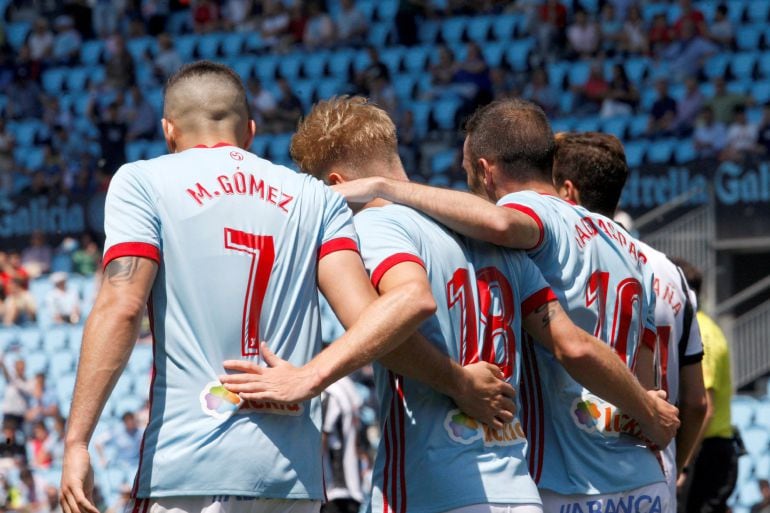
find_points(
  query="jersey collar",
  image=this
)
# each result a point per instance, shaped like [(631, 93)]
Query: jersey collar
[(217, 145)]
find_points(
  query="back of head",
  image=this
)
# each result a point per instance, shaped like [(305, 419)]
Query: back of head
[(346, 132), (205, 97), (515, 135), (691, 273), (595, 163)]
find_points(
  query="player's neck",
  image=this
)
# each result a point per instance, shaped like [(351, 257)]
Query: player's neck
[(529, 185), (204, 141)]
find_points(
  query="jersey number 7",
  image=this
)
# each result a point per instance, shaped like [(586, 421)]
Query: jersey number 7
[(262, 251)]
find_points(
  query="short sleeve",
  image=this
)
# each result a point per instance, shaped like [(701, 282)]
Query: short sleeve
[(529, 206), (131, 220), (338, 232), (535, 291), (385, 243)]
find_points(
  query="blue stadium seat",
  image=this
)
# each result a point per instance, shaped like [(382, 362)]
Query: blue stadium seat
[(378, 33), (735, 10), (651, 9), (55, 339), (442, 162), (179, 22), (244, 66), (135, 150), (566, 102), (452, 29), (25, 132), (8, 337), (392, 58), (76, 79), (424, 84), (232, 44), (328, 87), (708, 8), (635, 153), (444, 111), (556, 72), (91, 52), (259, 144), (156, 149), (745, 470), (403, 85), (716, 65), (478, 28), (615, 126), (742, 65), (764, 63), (762, 467), (361, 60), (139, 46), (760, 91), (305, 91), (661, 151), (37, 362), (16, 33), (758, 11), (62, 364), (64, 387), (254, 42), (427, 31), (762, 415), (587, 124), (749, 494), (518, 54), (421, 112), (493, 53), (208, 46), (290, 64), (756, 440), (387, 9), (416, 59), (339, 63), (367, 8), (185, 46), (279, 147), (562, 125), (738, 86), (747, 37), (265, 67), (504, 27), (685, 151), (636, 68), (314, 64), (648, 97), (578, 73)]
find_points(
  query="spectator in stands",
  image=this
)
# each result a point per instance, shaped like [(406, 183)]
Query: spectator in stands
[(690, 15), (407, 141), (40, 41), (205, 15), (710, 135), (471, 78), (663, 112), (715, 469), (19, 306), (552, 22), (611, 30), (142, 119), (38, 451), (66, 47), (374, 70), (106, 15), (590, 95), (722, 31), (763, 137), (541, 92), (502, 83), (42, 401), (36, 258), (52, 500), (155, 14), (7, 166), (39, 187), (275, 23), (25, 98), (167, 61), (112, 135), (442, 71), (351, 23), (742, 136), (297, 23), (11, 267), (85, 260), (32, 488), (762, 506), (724, 102), (235, 13), (18, 391), (583, 35), (11, 448), (382, 94), (660, 35), (119, 68), (263, 104), (688, 107), (55, 444), (633, 37), (688, 53), (63, 303), (125, 440), (54, 116), (622, 96)]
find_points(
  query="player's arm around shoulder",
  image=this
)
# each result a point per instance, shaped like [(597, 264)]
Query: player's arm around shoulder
[(594, 365), (464, 213)]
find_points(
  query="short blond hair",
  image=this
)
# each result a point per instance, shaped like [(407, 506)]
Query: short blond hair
[(343, 130)]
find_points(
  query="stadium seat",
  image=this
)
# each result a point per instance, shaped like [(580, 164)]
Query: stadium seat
[(562, 124), (156, 149), (339, 63), (361, 60), (403, 85), (478, 28), (379, 33), (764, 63), (61, 364), (329, 87), (290, 64), (76, 79), (636, 68), (8, 338), (762, 467), (637, 127), (185, 46), (427, 31), (685, 151), (421, 112), (756, 440), (253, 42), (305, 91), (615, 126), (314, 64), (265, 68), (452, 29), (55, 340), (742, 65), (416, 59), (758, 11), (587, 124), (135, 150), (37, 362), (747, 37), (736, 10), (138, 47), (635, 153), (386, 10), (439, 181), (392, 58), (762, 415), (366, 7), (517, 54), (716, 65), (749, 494), (91, 52), (760, 91), (244, 67), (208, 46), (16, 33), (279, 147), (231, 45), (444, 112), (504, 27), (661, 151), (745, 470), (557, 71), (442, 162), (493, 53)]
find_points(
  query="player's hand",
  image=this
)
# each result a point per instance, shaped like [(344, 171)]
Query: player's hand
[(282, 382), (360, 191), (483, 395), (665, 421), (77, 481)]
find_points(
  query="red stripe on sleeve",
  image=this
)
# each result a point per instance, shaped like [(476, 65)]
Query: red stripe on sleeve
[(341, 244), (531, 213), (136, 249), (649, 338), (536, 300), (392, 261)]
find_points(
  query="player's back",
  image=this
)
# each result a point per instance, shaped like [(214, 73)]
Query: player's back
[(431, 457), (679, 342), (238, 240), (595, 269)]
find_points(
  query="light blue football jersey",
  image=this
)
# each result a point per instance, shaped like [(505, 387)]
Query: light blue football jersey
[(238, 240), (579, 443), (431, 457)]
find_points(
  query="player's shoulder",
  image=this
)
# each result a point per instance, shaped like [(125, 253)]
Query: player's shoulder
[(388, 214)]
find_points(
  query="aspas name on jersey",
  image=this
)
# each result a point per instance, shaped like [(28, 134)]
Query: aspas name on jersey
[(238, 241)]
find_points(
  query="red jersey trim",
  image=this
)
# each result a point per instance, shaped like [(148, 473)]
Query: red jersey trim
[(392, 261), (341, 244), (217, 145), (137, 249), (531, 213), (536, 300), (649, 338)]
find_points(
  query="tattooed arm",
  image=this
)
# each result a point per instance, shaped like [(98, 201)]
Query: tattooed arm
[(594, 365), (110, 333)]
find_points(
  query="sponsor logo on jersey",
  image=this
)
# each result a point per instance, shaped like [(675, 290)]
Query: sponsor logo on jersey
[(466, 430), (594, 415), (629, 504), (218, 402)]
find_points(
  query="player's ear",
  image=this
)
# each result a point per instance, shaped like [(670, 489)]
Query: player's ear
[(168, 134), (568, 191), (335, 178)]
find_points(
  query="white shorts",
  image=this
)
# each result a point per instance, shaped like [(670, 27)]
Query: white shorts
[(654, 498), (499, 508), (221, 504)]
